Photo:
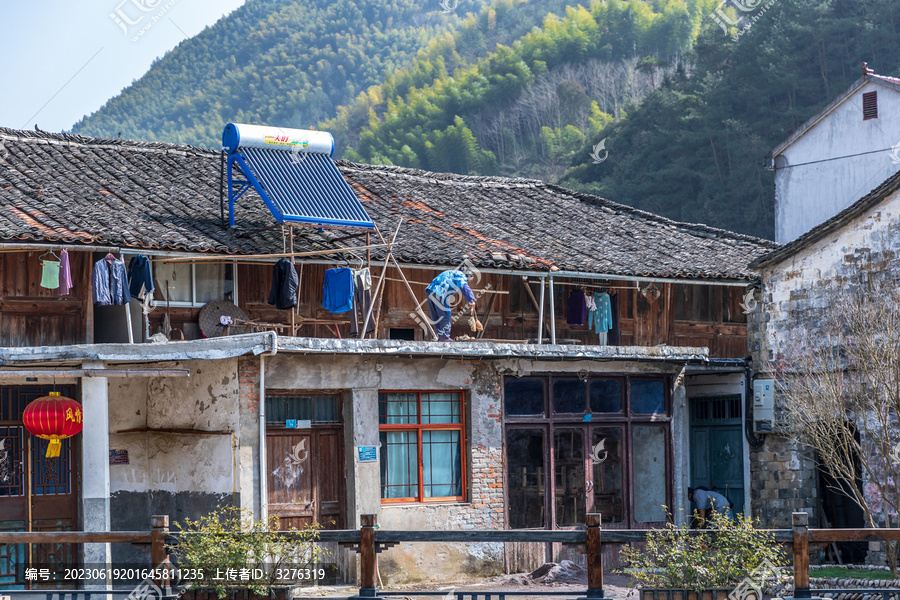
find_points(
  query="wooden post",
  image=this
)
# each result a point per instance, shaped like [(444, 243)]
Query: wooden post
[(159, 559), (367, 587), (801, 555), (593, 551)]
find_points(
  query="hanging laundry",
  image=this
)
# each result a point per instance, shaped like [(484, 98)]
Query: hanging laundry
[(338, 292), (589, 300), (362, 301), (109, 281), (140, 276), (50, 274), (65, 274), (284, 285), (578, 311), (601, 319), (364, 278), (614, 312)]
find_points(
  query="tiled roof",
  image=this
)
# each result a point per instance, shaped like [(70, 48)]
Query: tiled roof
[(887, 187), (69, 189)]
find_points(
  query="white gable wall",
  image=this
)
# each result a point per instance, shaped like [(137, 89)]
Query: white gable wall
[(839, 160)]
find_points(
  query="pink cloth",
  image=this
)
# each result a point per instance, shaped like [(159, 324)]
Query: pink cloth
[(65, 274)]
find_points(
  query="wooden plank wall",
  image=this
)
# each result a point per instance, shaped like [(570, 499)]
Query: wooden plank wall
[(682, 315), (644, 321), (34, 316)]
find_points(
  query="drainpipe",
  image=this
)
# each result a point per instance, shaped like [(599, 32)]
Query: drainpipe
[(263, 491), (552, 314)]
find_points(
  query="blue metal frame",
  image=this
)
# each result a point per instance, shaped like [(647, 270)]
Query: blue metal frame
[(246, 183)]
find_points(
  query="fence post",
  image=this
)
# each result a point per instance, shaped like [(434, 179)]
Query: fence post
[(593, 552), (801, 555), (367, 587), (159, 527)]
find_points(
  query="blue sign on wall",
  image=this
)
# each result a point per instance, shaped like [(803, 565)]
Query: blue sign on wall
[(367, 453)]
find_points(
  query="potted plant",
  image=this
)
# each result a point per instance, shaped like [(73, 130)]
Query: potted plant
[(731, 556), (229, 554)]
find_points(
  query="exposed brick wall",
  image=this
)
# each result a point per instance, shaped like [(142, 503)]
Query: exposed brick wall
[(486, 508), (248, 380)]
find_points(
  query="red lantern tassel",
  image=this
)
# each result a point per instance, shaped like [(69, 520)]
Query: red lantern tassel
[(53, 447)]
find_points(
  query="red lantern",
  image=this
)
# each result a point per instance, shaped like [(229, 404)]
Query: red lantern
[(53, 418)]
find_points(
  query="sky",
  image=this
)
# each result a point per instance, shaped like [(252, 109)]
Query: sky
[(63, 60)]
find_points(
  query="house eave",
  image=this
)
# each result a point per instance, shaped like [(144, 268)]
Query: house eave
[(490, 350)]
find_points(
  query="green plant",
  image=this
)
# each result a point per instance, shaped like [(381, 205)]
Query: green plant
[(230, 541), (722, 556)]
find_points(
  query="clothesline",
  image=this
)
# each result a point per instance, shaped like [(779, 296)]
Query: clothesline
[(594, 286)]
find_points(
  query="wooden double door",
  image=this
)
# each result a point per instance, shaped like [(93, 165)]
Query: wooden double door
[(36, 493), (306, 476)]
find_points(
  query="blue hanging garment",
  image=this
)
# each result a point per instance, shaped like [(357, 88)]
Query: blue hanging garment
[(338, 293)]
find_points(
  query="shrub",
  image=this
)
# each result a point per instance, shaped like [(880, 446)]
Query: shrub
[(722, 556), (230, 538)]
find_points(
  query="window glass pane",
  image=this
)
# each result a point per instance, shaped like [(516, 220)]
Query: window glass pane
[(525, 473), (568, 446), (281, 408), (214, 282), (441, 464), (397, 409), (399, 464), (440, 408), (568, 396), (318, 409), (178, 276), (326, 409), (606, 456), (524, 396), (649, 473), (606, 396), (647, 397)]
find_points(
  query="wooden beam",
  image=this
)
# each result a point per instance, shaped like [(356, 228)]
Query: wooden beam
[(74, 537), (801, 555), (220, 257), (853, 535)]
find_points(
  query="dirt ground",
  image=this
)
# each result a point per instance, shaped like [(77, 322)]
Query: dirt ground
[(565, 578)]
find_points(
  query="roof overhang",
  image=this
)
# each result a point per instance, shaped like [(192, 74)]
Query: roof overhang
[(491, 350), (209, 349)]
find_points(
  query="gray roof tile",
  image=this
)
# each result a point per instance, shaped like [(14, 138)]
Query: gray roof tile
[(71, 189)]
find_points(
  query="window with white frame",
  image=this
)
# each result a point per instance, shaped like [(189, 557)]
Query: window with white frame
[(194, 284)]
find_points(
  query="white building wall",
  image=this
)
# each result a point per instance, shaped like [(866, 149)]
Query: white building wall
[(838, 161)]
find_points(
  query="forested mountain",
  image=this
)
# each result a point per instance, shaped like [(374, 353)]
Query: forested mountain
[(646, 102), (695, 149), (283, 62), (526, 108)]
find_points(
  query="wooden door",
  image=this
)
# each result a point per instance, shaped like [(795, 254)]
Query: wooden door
[(36, 493), (306, 476)]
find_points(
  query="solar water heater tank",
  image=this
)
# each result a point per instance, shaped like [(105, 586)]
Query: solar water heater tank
[(238, 135)]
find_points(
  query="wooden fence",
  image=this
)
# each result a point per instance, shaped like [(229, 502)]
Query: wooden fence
[(368, 541)]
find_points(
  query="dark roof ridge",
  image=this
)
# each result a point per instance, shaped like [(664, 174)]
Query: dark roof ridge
[(884, 189), (694, 228), (62, 138)]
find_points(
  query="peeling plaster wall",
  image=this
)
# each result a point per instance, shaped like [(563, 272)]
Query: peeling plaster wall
[(183, 475), (360, 378), (840, 160), (795, 293)]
